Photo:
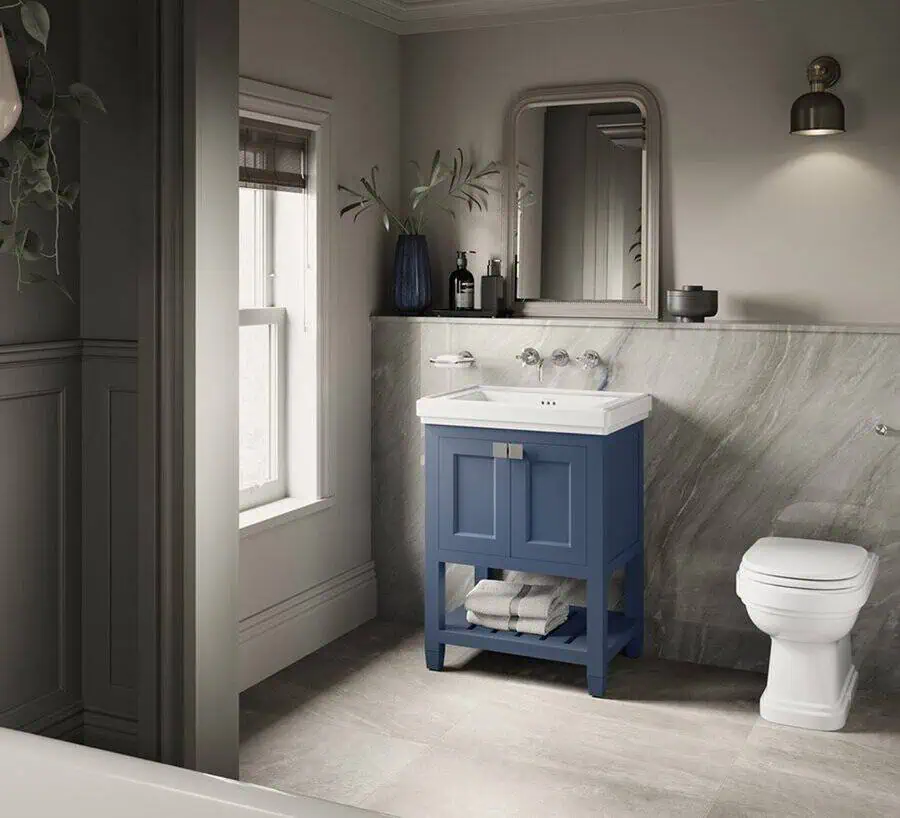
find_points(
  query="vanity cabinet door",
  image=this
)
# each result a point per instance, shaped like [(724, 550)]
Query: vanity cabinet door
[(473, 496), (548, 502)]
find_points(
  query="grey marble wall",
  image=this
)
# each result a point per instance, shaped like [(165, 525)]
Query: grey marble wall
[(754, 432)]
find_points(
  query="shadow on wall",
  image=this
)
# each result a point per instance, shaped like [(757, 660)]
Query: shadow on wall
[(773, 311)]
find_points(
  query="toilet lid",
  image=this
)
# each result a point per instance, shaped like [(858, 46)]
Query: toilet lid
[(815, 560)]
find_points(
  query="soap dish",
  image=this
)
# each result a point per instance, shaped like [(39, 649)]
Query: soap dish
[(460, 360)]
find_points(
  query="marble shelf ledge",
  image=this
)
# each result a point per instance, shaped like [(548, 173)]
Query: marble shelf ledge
[(615, 323)]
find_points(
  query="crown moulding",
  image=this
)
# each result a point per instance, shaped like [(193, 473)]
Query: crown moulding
[(421, 16)]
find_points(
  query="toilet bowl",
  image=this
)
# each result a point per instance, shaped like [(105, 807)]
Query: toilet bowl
[(806, 595)]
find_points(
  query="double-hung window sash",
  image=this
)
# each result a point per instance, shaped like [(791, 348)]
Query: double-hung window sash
[(271, 158)]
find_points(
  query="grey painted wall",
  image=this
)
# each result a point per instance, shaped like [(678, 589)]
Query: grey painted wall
[(303, 46), (787, 228), (754, 432)]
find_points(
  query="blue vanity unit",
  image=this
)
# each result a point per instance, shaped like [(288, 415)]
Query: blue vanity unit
[(540, 480)]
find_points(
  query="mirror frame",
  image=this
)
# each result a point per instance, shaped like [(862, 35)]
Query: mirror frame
[(648, 307)]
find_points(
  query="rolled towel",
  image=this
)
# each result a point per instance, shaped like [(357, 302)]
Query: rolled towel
[(538, 627), (494, 597)]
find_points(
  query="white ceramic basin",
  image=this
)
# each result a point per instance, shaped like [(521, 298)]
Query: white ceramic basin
[(572, 411)]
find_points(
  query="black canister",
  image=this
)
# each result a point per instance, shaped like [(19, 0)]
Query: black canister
[(493, 291), (692, 304)]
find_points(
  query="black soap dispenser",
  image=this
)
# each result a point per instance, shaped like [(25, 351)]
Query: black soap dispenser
[(462, 284)]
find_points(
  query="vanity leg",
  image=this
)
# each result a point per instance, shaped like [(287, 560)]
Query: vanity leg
[(634, 603), (596, 632), (435, 614)]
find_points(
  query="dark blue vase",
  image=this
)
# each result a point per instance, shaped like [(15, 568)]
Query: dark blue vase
[(412, 275)]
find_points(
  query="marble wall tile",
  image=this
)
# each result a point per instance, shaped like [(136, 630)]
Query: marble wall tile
[(754, 432)]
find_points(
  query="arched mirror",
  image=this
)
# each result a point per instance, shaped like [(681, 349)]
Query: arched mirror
[(581, 201)]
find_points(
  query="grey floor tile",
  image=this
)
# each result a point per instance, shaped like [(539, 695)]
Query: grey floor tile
[(445, 784), (324, 761), (363, 722), (682, 753), (786, 771)]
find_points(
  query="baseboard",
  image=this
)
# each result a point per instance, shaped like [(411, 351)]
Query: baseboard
[(280, 635), (106, 731), (65, 723)]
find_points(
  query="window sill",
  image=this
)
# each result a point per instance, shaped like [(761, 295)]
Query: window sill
[(281, 512)]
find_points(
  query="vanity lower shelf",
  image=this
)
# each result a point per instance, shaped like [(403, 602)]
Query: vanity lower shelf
[(568, 643)]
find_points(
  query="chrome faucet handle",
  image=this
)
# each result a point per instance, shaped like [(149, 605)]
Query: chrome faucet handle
[(884, 430), (590, 359), (560, 357), (530, 357)]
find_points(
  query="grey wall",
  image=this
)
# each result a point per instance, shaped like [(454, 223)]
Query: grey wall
[(754, 432), (781, 225), (305, 47)]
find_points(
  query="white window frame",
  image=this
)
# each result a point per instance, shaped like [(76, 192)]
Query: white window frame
[(285, 106), (272, 490)]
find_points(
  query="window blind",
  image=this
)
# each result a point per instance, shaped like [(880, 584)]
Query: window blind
[(272, 157)]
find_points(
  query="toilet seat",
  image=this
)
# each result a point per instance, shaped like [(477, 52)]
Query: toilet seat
[(805, 563), (807, 597)]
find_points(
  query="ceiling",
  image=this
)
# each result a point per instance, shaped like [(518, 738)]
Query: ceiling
[(416, 16)]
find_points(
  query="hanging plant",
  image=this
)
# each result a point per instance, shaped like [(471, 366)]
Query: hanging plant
[(28, 159)]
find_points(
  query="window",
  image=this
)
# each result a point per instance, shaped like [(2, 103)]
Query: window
[(282, 172)]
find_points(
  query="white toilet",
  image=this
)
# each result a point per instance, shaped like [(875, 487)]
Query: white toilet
[(806, 595)]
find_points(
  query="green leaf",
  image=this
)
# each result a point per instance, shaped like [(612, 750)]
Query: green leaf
[(69, 194), (28, 245), (21, 151), (36, 21), (435, 167), (40, 181), (86, 96), (350, 207), (47, 200)]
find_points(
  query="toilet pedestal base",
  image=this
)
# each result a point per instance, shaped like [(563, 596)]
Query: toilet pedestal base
[(810, 684)]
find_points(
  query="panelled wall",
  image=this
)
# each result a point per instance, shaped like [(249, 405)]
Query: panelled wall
[(68, 556), (68, 419), (40, 537), (109, 395)]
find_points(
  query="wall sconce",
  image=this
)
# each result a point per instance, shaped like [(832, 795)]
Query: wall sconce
[(819, 113)]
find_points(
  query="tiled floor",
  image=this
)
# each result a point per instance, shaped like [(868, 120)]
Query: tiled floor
[(363, 722)]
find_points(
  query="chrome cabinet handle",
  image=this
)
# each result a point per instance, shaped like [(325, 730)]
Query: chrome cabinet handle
[(500, 451), (516, 451)]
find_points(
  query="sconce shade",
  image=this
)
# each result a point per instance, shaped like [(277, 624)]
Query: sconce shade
[(818, 113)]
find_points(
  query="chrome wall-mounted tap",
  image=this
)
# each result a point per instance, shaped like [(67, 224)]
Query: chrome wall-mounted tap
[(531, 357), (591, 361)]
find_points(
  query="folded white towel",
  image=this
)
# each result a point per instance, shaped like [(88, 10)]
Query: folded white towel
[(538, 627), (494, 597)]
